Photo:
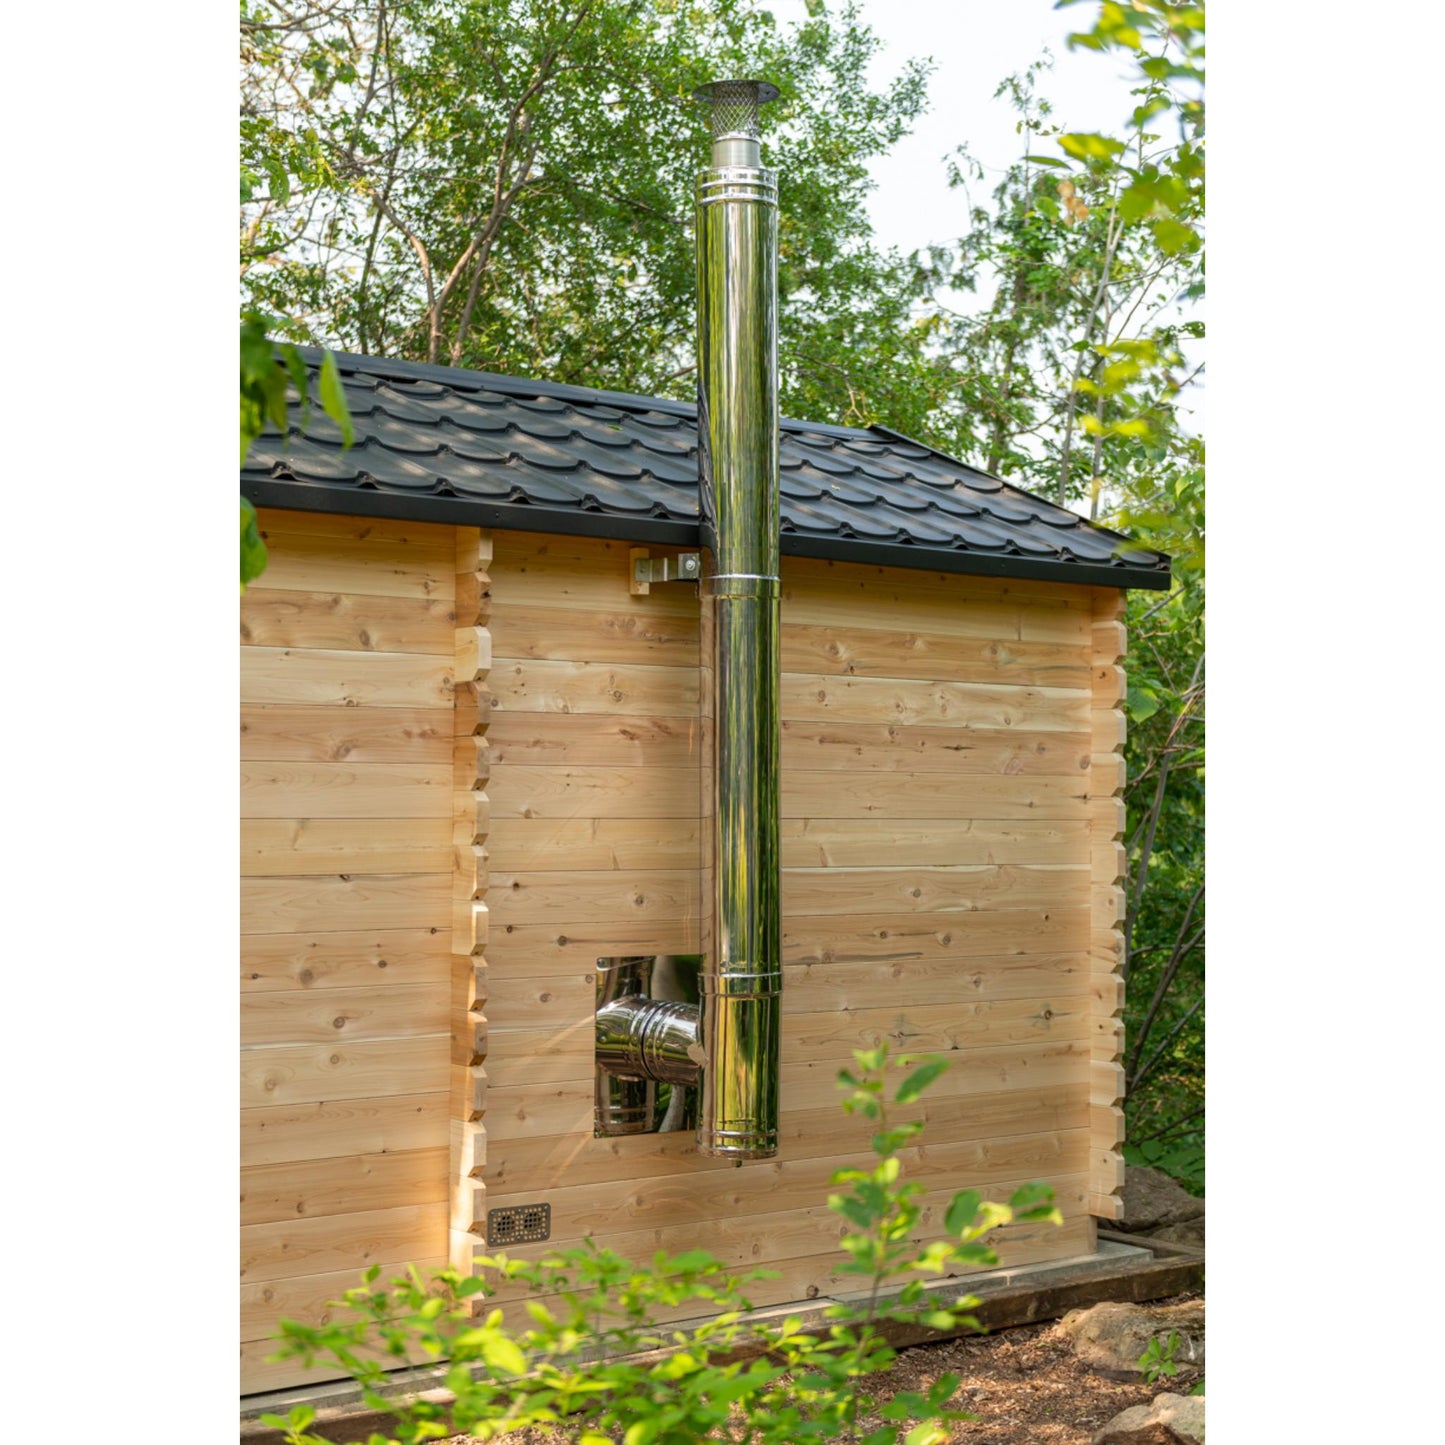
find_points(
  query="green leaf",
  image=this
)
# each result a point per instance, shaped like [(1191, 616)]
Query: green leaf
[(280, 181), (943, 1389), (919, 1080), (253, 549), (897, 1137), (296, 370), (502, 1353), (1142, 702), (1173, 237), (851, 1210), (333, 399), (257, 354), (1027, 1196), (927, 1433), (962, 1211), (1090, 146), (871, 1060)]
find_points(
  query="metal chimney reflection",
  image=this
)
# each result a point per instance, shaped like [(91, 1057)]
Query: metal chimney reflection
[(737, 348), (729, 1044)]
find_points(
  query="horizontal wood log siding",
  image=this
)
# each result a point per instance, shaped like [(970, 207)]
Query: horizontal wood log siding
[(349, 640), (937, 851)]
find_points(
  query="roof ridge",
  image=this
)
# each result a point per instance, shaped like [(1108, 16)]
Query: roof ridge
[(559, 390), (392, 366)]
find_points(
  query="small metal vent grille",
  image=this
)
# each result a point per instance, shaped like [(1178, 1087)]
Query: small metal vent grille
[(519, 1224)]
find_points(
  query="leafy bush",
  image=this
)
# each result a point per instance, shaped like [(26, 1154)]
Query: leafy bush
[(1158, 1359), (1182, 1159), (597, 1362)]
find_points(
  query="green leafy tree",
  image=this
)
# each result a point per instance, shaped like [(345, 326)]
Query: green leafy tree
[(1088, 261), (1072, 371), (1156, 171), (507, 185)]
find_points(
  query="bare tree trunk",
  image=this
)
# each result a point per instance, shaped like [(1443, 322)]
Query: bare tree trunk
[(1113, 231)]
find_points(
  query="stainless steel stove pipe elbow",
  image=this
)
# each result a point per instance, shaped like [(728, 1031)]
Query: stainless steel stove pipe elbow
[(737, 348), (640, 1042)]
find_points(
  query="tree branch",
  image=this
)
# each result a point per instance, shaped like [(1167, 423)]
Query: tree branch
[(1176, 958)]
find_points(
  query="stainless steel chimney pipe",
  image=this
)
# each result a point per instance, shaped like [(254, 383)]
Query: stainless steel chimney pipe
[(730, 1044), (737, 349)]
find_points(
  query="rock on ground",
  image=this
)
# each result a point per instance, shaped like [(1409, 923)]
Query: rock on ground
[(1170, 1420), (1190, 1231), (1152, 1199), (1110, 1337)]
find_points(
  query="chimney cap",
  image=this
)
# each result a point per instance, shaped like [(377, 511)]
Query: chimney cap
[(717, 90), (736, 128)]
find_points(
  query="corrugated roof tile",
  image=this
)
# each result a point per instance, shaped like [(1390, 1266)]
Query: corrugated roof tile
[(427, 432), (475, 446)]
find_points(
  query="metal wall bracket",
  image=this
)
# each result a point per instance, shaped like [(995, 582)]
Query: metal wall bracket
[(647, 569)]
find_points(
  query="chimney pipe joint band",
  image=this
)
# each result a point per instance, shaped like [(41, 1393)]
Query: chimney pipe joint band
[(736, 984), (737, 183), (741, 585)]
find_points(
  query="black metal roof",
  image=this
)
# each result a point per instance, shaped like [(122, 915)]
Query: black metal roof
[(439, 444)]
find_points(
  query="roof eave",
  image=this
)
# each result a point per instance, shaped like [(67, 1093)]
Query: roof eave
[(288, 493)]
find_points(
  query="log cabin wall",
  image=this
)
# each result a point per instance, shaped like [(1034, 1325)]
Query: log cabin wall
[(349, 647), (470, 766), (939, 845)]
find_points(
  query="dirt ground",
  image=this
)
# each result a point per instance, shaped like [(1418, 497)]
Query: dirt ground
[(1025, 1387)]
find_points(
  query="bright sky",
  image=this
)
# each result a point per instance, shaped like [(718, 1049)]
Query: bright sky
[(974, 45)]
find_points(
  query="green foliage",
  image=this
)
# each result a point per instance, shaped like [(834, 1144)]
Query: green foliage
[(596, 1362), (1164, 922), (253, 549), (1068, 377), (1165, 40), (1158, 1359), (1181, 1157), (267, 369), (507, 185), (1072, 379)]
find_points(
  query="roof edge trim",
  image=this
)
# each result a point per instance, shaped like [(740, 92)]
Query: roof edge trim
[(296, 496)]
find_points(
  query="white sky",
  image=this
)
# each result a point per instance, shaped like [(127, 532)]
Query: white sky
[(974, 45)]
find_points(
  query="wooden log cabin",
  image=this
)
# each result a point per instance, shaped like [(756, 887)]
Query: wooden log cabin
[(471, 754)]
